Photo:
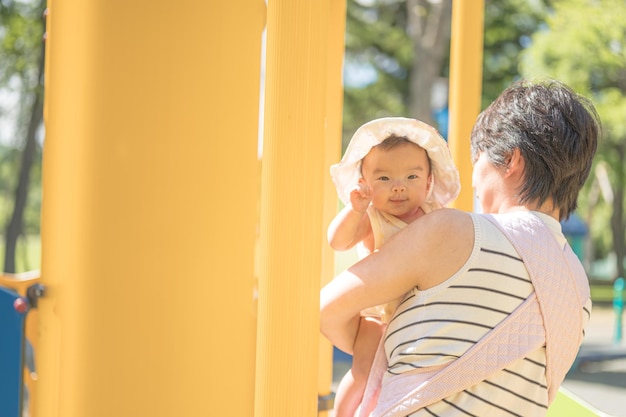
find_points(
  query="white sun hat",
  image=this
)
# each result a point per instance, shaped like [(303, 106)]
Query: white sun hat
[(346, 173)]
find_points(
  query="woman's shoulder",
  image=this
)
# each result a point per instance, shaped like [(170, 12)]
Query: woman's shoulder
[(447, 238), (448, 219), (446, 228)]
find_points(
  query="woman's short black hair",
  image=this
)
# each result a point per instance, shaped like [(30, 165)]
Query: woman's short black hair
[(556, 131)]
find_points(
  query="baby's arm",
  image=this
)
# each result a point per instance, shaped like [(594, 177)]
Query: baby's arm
[(352, 224)]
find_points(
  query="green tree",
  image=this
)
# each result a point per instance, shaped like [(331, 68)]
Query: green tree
[(584, 45), (405, 46), (509, 25), (389, 38), (21, 73)]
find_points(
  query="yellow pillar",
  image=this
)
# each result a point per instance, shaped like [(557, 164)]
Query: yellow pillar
[(291, 208), (332, 154), (150, 191), (466, 62)]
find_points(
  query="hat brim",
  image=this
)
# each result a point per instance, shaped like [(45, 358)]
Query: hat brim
[(346, 173)]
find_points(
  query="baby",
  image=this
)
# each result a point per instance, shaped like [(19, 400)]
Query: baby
[(394, 171)]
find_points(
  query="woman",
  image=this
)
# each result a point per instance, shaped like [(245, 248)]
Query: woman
[(494, 304)]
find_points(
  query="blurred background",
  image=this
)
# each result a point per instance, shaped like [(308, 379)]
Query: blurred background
[(396, 63)]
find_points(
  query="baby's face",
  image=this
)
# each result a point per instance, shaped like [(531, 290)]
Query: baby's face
[(398, 178)]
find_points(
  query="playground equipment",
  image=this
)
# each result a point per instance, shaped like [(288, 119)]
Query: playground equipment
[(19, 294), (151, 215), (170, 290)]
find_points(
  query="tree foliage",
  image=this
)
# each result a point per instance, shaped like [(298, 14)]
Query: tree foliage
[(509, 25), (399, 41), (387, 38), (377, 44), (584, 44), (21, 77)]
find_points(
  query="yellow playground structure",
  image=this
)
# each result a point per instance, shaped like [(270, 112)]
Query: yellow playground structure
[(182, 270)]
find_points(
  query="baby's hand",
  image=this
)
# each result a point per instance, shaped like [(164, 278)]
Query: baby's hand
[(360, 197)]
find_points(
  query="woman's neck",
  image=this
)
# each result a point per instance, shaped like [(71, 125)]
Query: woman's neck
[(545, 208)]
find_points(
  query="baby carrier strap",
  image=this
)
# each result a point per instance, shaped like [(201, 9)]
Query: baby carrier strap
[(552, 315), (561, 286)]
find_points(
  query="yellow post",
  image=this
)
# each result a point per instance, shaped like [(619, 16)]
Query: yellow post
[(466, 61), (291, 208), (150, 190), (332, 153)]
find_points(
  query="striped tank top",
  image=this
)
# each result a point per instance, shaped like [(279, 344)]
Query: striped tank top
[(436, 326)]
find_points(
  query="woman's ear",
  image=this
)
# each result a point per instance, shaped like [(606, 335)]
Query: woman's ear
[(515, 164)]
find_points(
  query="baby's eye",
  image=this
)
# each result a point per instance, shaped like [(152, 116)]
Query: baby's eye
[(413, 177), (383, 178)]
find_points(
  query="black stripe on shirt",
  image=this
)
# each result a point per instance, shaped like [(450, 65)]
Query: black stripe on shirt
[(416, 323), (408, 342), (475, 287), (471, 394), (496, 272), (495, 252), (451, 303), (516, 394), (525, 378)]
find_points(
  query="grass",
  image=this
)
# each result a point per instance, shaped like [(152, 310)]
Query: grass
[(565, 406), (603, 293), (28, 256)]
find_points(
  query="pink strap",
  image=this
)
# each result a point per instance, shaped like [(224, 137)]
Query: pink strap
[(374, 381), (561, 292)]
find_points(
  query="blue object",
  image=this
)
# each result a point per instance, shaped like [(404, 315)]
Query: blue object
[(618, 306), (442, 118), (576, 230), (11, 354), (341, 356), (574, 226)]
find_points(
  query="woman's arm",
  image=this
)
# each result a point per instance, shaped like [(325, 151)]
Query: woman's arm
[(426, 253)]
